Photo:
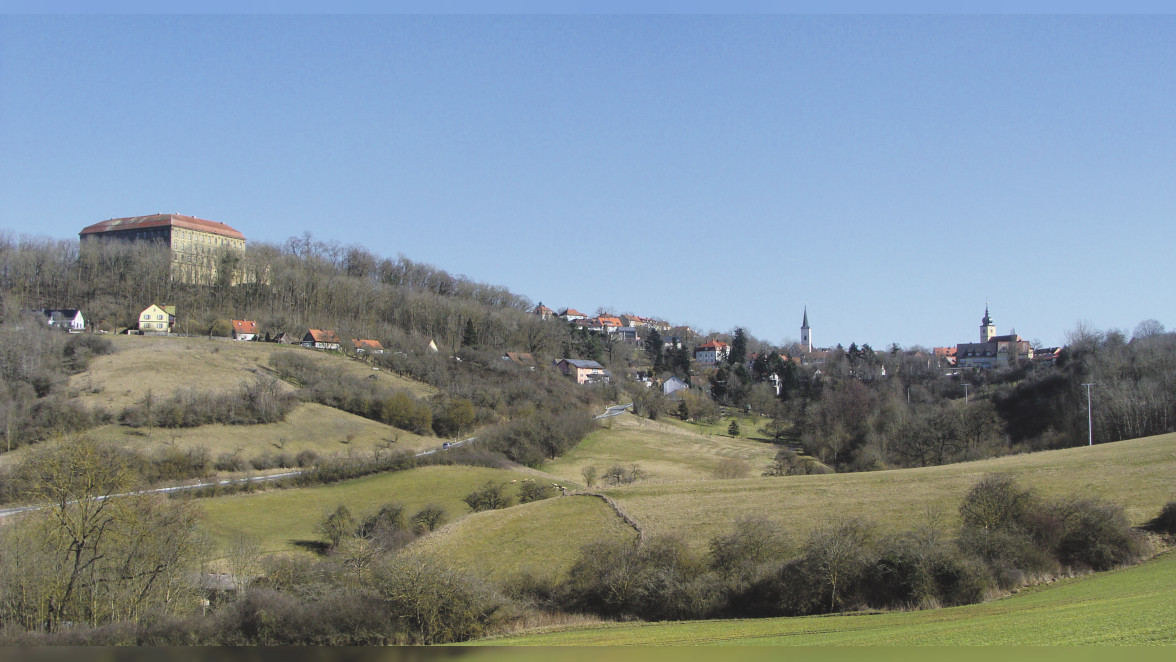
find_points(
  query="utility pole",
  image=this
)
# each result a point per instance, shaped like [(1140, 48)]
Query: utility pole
[(966, 385), (1089, 417)]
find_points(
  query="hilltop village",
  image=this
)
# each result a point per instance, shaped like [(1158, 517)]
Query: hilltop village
[(311, 444)]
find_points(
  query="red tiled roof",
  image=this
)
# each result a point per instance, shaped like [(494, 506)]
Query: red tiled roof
[(323, 335), (161, 220), (245, 326), (573, 311), (370, 345), (713, 344)]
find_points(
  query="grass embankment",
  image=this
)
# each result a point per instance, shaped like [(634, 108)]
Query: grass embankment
[(279, 519), (665, 452), (1132, 606), (503, 543), (1139, 474)]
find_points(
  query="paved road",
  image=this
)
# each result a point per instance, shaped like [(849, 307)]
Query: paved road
[(615, 410), (5, 512)]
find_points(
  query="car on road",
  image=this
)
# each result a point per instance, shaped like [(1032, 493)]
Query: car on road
[(446, 445)]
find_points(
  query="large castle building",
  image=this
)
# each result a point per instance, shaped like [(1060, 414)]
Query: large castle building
[(197, 246), (992, 351)]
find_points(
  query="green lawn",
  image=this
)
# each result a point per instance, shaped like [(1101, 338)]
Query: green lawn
[(278, 519), (1133, 606)]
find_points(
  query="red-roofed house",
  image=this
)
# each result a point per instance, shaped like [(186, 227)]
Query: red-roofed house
[(571, 314), (244, 329), (711, 352), (321, 339), (363, 346)]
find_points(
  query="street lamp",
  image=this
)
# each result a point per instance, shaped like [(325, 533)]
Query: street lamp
[(1089, 417)]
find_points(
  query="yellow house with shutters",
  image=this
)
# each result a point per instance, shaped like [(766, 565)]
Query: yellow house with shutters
[(157, 319)]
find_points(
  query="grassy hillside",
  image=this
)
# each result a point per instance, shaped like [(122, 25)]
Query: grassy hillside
[(1138, 474), (503, 543), (1133, 606), (666, 452), (279, 519), (164, 364), (310, 426)]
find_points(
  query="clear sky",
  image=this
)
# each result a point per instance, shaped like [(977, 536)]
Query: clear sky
[(892, 172)]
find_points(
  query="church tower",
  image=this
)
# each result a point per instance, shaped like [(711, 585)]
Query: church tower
[(806, 333), (987, 326)]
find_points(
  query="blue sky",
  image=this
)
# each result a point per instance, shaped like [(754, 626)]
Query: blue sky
[(892, 172)]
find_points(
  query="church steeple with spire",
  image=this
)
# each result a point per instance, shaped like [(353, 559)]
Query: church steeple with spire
[(987, 326), (806, 333)]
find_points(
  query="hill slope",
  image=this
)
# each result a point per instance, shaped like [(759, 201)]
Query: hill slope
[(1139, 474), (1132, 606)]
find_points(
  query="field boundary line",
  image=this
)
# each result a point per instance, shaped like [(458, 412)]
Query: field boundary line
[(619, 510)]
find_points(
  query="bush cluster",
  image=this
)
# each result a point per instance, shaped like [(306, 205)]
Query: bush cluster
[(1007, 537), (262, 401)]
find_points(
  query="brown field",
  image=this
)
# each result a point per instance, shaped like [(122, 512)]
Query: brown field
[(164, 364)]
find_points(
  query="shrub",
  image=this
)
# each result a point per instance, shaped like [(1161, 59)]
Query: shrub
[(1165, 522), (754, 543), (490, 496), (1096, 535), (619, 475), (305, 458), (337, 525), (438, 604), (531, 491), (732, 467), (428, 518), (229, 462)]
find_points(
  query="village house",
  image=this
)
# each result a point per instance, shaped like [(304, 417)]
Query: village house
[(244, 330), (543, 311), (523, 359), (286, 339), (571, 315), (583, 371), (712, 352), (673, 385), (321, 339), (67, 319), (157, 319), (365, 346)]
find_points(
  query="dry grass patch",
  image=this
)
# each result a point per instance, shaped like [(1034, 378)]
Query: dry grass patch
[(162, 365), (665, 452)]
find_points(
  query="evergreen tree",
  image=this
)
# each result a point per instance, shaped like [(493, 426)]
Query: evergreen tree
[(653, 349), (470, 337), (733, 429), (738, 353)]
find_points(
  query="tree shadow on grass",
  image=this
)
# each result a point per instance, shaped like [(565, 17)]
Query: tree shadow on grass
[(317, 546)]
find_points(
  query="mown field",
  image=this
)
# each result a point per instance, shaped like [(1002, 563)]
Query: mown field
[(280, 519), (664, 451), (1132, 606)]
